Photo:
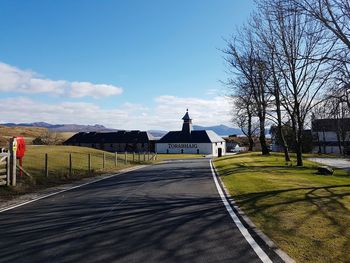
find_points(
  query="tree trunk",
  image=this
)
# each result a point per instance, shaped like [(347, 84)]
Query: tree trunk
[(250, 133), (339, 137), (251, 144), (279, 127), (262, 138), (299, 146)]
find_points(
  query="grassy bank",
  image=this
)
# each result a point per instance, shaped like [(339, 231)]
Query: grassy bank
[(306, 214), (58, 167)]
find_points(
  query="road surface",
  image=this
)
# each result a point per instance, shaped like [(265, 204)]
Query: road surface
[(169, 212)]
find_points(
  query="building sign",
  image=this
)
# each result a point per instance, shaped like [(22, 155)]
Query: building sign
[(182, 145)]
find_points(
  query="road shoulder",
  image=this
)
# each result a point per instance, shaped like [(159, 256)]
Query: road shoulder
[(266, 244), (35, 196)]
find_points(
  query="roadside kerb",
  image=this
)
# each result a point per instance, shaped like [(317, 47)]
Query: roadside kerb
[(32, 197), (252, 227)]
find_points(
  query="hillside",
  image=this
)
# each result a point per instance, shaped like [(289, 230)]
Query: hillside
[(63, 127), (222, 130), (29, 133)]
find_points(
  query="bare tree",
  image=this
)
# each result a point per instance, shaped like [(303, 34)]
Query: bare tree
[(49, 138), (334, 15), (244, 116), (334, 18), (267, 45), (243, 56), (300, 57)]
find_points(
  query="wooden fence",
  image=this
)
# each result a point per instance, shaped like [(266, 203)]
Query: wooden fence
[(78, 163), (68, 164)]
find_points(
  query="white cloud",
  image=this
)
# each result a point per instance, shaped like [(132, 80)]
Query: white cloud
[(82, 89), (165, 115), (13, 79), (205, 112)]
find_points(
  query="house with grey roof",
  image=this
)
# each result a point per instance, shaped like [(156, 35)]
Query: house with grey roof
[(189, 141)]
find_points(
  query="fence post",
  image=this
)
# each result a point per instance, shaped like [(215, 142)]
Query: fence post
[(8, 165), (155, 157), (126, 158), (116, 159), (46, 165), (148, 156), (104, 161), (133, 157), (139, 157), (70, 165), (144, 156), (12, 161), (89, 163)]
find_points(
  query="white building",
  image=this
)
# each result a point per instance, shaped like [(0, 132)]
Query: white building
[(331, 135), (189, 141)]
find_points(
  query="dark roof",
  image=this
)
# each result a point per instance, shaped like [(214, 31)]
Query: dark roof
[(331, 124), (111, 137), (193, 137), (186, 117)]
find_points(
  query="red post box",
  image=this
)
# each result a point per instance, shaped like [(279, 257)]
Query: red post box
[(21, 149)]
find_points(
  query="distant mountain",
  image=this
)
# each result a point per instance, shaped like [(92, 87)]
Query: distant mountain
[(221, 130), (34, 124), (158, 133), (63, 127)]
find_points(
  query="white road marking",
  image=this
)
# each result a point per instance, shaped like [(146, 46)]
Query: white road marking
[(68, 189), (258, 250)]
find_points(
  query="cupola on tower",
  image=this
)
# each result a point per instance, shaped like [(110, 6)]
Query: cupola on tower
[(187, 125)]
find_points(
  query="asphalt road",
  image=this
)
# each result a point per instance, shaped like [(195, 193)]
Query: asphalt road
[(163, 213)]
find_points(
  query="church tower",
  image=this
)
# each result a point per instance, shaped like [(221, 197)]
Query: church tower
[(187, 125)]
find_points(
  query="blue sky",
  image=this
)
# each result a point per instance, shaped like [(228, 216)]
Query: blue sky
[(124, 64)]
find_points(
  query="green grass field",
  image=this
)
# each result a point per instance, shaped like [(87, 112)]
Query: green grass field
[(306, 214)]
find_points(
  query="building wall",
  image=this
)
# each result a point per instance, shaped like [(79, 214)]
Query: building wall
[(326, 142), (326, 149), (328, 136), (192, 148)]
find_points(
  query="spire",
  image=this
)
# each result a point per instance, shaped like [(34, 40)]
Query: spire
[(186, 117), (187, 125)]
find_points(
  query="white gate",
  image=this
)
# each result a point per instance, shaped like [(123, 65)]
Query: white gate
[(4, 168), (8, 164)]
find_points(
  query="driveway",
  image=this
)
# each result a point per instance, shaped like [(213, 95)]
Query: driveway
[(334, 162), (169, 212)]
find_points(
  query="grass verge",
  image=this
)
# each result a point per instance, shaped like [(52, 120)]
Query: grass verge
[(58, 167), (306, 214)]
